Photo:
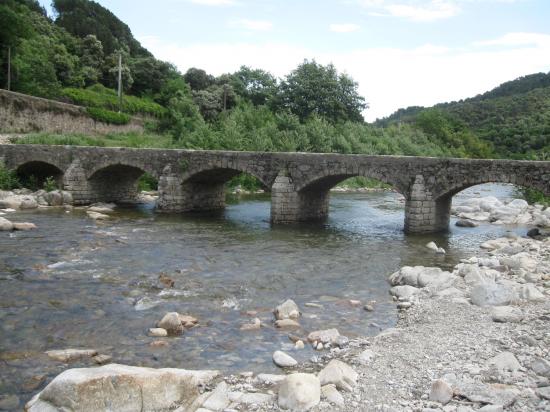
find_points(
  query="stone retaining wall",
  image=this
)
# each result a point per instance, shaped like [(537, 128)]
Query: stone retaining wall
[(20, 113)]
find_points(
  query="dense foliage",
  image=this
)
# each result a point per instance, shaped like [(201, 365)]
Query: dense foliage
[(108, 116), (514, 117)]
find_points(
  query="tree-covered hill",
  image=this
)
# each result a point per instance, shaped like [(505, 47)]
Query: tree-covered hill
[(514, 117), (73, 56)]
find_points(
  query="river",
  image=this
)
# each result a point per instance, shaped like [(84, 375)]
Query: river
[(77, 283)]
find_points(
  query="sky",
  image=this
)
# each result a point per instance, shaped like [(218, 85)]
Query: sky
[(401, 52)]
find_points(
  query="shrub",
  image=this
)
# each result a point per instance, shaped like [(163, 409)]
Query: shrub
[(108, 116), (8, 179), (49, 184)]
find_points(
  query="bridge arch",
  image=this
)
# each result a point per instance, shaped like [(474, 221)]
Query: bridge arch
[(204, 189), (116, 182), (34, 173)]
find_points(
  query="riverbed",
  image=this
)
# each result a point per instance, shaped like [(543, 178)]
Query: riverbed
[(78, 283)]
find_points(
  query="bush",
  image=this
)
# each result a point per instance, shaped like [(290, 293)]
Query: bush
[(101, 97), (107, 116), (8, 179), (50, 184)]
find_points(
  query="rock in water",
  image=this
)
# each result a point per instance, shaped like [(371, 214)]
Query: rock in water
[(432, 246), (287, 310), (23, 226), (158, 332), (441, 392), (300, 392), (283, 360), (5, 224), (70, 355), (340, 374), (466, 223), (121, 388), (172, 323), (324, 336), (287, 323)]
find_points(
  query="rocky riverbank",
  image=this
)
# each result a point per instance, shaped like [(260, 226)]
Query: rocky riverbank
[(475, 338)]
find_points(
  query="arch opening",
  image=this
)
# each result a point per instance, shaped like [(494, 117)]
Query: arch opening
[(499, 203), (207, 190), (313, 199), (119, 184), (37, 175)]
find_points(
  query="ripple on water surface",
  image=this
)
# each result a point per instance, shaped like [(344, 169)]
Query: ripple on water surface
[(77, 283)]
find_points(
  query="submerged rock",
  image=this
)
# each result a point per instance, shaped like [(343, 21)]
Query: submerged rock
[(172, 323), (121, 388), (466, 223), (71, 355), (23, 226), (325, 336)]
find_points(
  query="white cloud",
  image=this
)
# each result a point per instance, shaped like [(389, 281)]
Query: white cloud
[(389, 78), (214, 2), (254, 25), (344, 27), (517, 39), (414, 10), (421, 10)]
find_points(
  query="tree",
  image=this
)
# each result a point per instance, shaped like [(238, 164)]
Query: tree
[(316, 89), (91, 59), (255, 85), (198, 79)]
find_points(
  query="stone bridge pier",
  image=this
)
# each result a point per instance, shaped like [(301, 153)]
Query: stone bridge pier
[(299, 183)]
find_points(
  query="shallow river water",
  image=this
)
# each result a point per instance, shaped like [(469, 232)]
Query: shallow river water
[(77, 283)]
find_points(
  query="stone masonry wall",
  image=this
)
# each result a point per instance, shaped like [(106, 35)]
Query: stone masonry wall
[(194, 180), (20, 113)]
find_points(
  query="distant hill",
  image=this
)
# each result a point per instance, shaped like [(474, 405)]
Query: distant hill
[(513, 117)]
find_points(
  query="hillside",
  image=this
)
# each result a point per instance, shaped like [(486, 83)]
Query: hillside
[(513, 117)]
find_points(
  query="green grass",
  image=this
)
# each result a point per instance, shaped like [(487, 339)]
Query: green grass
[(131, 139)]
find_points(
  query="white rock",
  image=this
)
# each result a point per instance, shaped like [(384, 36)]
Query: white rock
[(365, 357), (541, 367), (287, 310), (70, 355), (325, 336), (283, 360), (256, 324), (219, 399), (23, 226), (491, 294), (441, 392), (331, 394), (286, 323), (530, 292), (405, 292), (158, 332), (172, 323), (432, 246), (121, 388), (269, 379), (5, 225), (97, 216), (299, 392), (340, 374), (505, 361), (256, 398), (506, 314)]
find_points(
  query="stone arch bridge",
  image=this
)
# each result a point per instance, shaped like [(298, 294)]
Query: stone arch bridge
[(299, 182)]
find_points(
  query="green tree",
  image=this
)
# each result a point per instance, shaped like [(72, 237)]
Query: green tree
[(314, 89), (254, 85), (198, 79)]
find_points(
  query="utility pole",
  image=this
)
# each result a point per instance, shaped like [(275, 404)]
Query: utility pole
[(224, 97), (9, 68), (119, 82)]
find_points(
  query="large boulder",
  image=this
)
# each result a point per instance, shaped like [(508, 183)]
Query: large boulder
[(299, 392), (121, 388), (492, 294)]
